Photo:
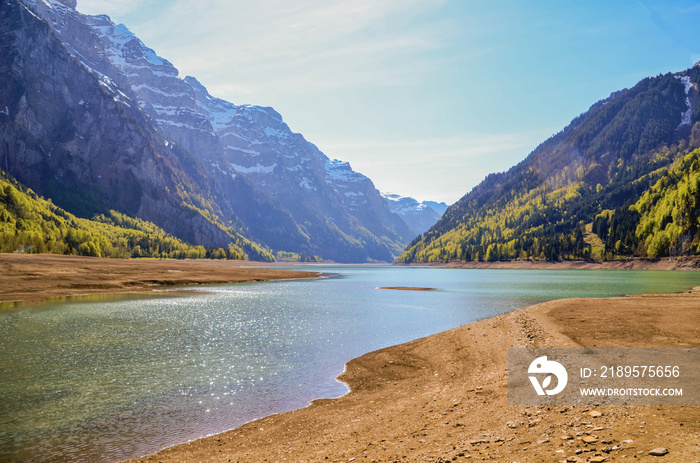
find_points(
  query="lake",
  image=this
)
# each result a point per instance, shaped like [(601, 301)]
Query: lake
[(108, 378)]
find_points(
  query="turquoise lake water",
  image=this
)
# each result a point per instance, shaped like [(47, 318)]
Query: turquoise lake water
[(113, 378)]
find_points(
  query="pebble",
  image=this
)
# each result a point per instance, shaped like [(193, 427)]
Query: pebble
[(597, 460), (594, 413), (589, 439), (659, 452)]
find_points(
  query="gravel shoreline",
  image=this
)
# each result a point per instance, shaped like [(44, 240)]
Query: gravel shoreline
[(444, 398)]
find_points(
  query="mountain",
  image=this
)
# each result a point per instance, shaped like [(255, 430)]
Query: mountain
[(238, 167), (29, 223), (418, 216), (439, 207), (73, 136), (619, 180)]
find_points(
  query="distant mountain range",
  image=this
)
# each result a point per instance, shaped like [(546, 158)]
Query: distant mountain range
[(418, 216), (621, 180), (96, 121)]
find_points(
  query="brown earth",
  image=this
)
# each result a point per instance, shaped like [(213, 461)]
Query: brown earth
[(33, 278), (440, 398), (667, 263), (444, 397), (407, 288)]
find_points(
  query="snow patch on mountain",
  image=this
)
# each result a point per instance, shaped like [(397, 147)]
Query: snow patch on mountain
[(337, 170), (271, 132), (67, 4), (126, 51), (403, 204), (219, 112), (686, 115), (305, 183), (138, 87), (259, 169), (170, 122), (242, 150)]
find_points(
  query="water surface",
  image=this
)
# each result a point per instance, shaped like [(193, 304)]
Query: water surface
[(121, 377)]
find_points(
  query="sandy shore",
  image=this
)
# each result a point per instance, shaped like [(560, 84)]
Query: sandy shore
[(440, 398), (33, 278), (668, 263), (406, 288), (444, 397)]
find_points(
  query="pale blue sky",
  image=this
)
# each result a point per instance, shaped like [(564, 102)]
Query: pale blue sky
[(424, 97)]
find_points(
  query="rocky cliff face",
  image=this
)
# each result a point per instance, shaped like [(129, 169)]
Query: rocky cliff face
[(72, 135), (245, 163)]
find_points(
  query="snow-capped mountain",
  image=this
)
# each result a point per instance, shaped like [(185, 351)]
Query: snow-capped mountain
[(72, 135), (268, 181), (418, 216)]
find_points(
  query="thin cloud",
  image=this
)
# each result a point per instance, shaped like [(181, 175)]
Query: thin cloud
[(295, 46)]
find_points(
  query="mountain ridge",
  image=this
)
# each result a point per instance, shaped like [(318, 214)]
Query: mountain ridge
[(544, 208), (255, 141), (419, 216), (240, 166), (58, 123)]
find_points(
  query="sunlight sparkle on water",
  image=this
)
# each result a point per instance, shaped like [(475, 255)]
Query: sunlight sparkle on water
[(109, 381)]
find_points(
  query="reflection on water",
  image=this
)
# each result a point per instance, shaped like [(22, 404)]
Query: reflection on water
[(52, 302), (11, 305), (109, 378)]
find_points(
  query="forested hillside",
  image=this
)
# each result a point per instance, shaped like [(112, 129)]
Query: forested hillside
[(620, 180), (663, 222), (29, 223)]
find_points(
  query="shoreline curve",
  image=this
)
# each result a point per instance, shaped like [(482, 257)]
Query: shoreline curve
[(439, 398), (444, 397)]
